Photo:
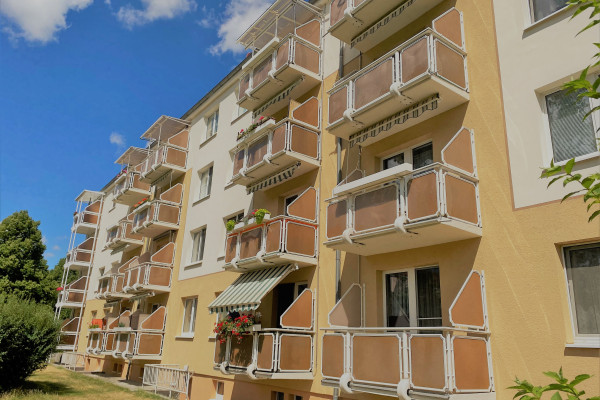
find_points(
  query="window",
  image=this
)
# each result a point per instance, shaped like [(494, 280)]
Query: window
[(295, 397), (154, 307), (198, 245), (422, 155), (212, 125), (238, 112), (299, 287), (288, 201), (277, 396), (393, 161), (571, 135), (583, 280), (542, 8), (205, 183), (189, 317), (413, 298), (219, 390)]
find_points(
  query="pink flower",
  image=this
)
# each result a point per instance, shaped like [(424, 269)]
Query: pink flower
[(58, 289)]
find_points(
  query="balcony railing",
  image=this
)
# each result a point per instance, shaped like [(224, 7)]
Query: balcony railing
[(129, 189), (421, 78), (392, 361), (111, 287), (122, 235), (80, 257), (86, 220), (73, 295), (405, 209), (148, 277), (163, 159), (167, 377), (289, 142), (271, 353), (159, 215), (365, 23), (280, 64), (69, 333), (275, 241)]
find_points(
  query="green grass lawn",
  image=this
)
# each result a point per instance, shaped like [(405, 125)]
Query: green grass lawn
[(54, 383)]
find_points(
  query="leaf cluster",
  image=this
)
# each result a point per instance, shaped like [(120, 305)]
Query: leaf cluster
[(562, 387)]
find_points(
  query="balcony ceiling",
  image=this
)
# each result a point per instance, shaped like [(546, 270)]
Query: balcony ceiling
[(89, 196), (132, 156), (164, 128)]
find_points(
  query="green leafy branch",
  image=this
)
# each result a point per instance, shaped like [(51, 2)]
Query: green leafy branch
[(527, 391)]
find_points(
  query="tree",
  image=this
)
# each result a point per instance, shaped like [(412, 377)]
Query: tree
[(526, 391), (28, 335), (23, 269), (590, 185)]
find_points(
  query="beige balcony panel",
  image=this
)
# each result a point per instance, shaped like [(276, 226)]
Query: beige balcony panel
[(300, 239), (427, 362), (160, 277), (70, 325), (332, 359), (450, 64), (374, 84), (459, 152), (468, 307), (422, 196), (173, 194), (67, 340), (414, 60), (311, 32), (168, 214), (305, 142), (241, 353), (338, 103), (180, 139), (283, 55), (376, 359), (308, 112), (305, 206), (278, 141), (295, 352), (461, 199), (149, 344), (449, 25), (238, 161), (300, 314), (274, 231), (110, 342), (307, 58), (244, 85), (348, 310), (261, 72), (220, 352), (264, 359), (377, 208), (79, 284), (257, 151), (231, 248), (176, 157), (337, 11), (471, 364), (250, 243), (336, 218)]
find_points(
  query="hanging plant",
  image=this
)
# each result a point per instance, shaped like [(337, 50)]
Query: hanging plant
[(233, 327)]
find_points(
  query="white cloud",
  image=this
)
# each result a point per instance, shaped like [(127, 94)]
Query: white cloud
[(50, 255), (118, 140), (56, 247), (44, 240), (37, 20), (152, 10), (209, 18), (239, 15)]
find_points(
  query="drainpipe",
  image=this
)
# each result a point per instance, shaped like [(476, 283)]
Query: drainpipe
[(338, 253)]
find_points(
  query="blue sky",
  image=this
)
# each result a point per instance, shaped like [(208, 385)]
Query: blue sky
[(81, 80)]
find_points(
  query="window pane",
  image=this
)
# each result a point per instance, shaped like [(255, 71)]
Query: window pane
[(543, 8), (572, 136), (393, 161), (396, 299), (193, 314), (583, 271), (186, 315), (429, 299), (195, 239), (422, 155)]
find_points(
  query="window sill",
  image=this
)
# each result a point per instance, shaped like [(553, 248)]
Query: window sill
[(236, 119), (200, 200), (547, 18), (207, 140), (184, 337), (581, 158), (193, 265), (584, 344)]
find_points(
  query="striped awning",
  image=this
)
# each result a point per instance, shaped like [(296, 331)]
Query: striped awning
[(273, 179), (248, 290)]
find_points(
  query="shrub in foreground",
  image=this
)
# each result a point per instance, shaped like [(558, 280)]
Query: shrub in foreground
[(28, 334)]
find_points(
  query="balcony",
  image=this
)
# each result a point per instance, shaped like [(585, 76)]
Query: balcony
[(69, 332), (427, 361), (86, 220), (421, 78), (122, 236), (140, 338), (365, 23), (129, 189), (80, 257), (73, 295), (169, 155), (110, 287), (279, 240), (285, 353), (151, 272), (274, 147), (287, 44), (158, 216)]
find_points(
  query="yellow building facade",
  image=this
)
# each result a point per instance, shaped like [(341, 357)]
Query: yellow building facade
[(399, 255)]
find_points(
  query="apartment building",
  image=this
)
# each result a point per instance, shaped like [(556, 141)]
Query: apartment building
[(409, 248)]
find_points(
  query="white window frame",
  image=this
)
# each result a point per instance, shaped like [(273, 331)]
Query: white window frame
[(231, 216), (530, 19), (212, 125), (196, 260), (205, 173), (579, 340), (548, 150), (408, 154), (238, 113), (189, 334), (412, 293), (297, 287)]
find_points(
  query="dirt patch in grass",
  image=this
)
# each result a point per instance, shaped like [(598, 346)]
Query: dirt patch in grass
[(54, 383)]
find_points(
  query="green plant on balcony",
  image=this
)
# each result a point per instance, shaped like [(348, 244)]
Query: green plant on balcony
[(259, 214), (234, 327), (121, 325), (242, 133), (230, 225), (94, 326)]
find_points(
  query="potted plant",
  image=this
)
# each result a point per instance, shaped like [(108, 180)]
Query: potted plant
[(261, 214), (230, 225), (121, 325), (233, 326), (94, 326)]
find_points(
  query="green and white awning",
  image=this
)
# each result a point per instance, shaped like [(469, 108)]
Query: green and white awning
[(274, 179), (248, 290)]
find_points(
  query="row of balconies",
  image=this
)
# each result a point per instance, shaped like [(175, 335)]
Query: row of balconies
[(73, 294), (122, 236)]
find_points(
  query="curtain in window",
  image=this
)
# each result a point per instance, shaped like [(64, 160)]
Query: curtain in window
[(396, 294), (429, 299), (583, 272), (543, 8), (572, 136), (189, 315)]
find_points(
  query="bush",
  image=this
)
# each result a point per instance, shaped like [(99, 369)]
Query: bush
[(28, 335)]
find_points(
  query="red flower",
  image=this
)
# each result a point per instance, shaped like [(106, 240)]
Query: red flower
[(58, 289)]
